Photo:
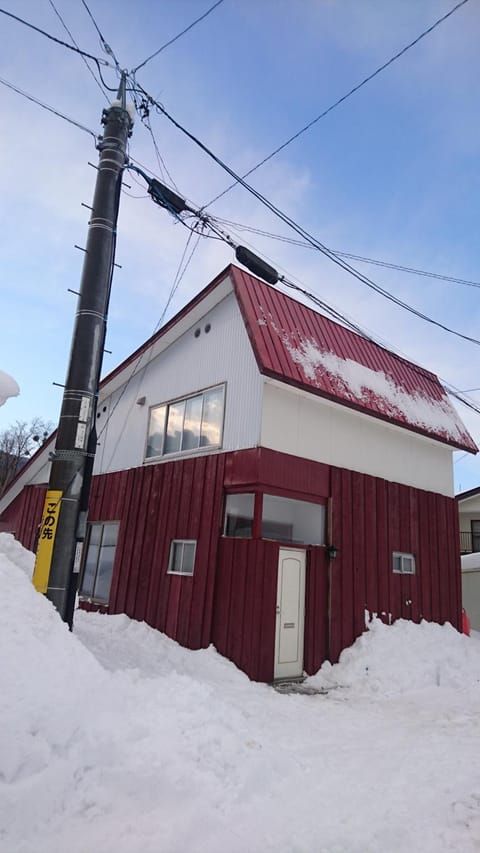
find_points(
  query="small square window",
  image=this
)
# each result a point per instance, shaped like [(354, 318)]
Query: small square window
[(403, 564), (182, 557)]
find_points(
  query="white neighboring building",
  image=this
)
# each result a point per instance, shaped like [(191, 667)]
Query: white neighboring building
[(471, 588)]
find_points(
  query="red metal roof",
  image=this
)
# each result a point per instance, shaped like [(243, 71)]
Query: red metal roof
[(295, 344)]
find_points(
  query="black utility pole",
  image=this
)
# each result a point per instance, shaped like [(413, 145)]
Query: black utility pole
[(72, 460)]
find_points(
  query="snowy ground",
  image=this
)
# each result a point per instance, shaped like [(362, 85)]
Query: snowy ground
[(117, 740)]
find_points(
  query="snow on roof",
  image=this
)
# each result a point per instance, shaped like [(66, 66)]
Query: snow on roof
[(8, 387), (298, 345)]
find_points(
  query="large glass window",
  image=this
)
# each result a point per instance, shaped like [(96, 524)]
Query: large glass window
[(99, 559), (239, 515), (283, 519), (188, 424), (293, 521)]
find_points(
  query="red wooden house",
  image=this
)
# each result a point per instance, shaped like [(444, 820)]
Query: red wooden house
[(264, 476)]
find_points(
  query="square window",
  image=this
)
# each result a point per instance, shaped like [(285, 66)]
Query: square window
[(182, 557), (403, 564)]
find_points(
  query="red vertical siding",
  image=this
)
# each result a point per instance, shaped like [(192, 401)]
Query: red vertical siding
[(231, 597), (394, 518), (316, 610), (244, 610), (24, 515), (155, 504)]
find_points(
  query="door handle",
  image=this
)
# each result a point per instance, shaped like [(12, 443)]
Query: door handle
[(278, 609)]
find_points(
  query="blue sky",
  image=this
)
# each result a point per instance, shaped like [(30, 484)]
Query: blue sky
[(391, 174)]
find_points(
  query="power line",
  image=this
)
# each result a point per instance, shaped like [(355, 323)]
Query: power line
[(47, 107), (208, 221), (368, 282), (52, 4), (339, 316), (108, 50), (387, 264), (341, 100), (58, 41), (179, 35), (161, 162)]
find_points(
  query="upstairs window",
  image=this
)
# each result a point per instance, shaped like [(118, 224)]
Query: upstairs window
[(189, 424), (403, 564)]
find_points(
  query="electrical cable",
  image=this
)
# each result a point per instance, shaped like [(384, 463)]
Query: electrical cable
[(210, 222), (339, 316), (108, 50), (175, 38), (52, 4), (342, 99), (342, 318), (58, 41), (47, 107), (161, 162), (387, 264), (368, 282)]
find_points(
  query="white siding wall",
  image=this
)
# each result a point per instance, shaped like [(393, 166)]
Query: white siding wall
[(303, 425), (189, 364), (469, 510), (38, 471)]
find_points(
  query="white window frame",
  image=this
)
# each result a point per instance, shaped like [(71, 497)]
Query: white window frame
[(407, 563), (182, 542), (166, 405)]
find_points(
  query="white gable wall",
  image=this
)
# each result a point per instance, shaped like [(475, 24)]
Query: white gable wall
[(189, 364), (296, 422)]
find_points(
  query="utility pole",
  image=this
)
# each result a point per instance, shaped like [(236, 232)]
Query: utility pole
[(62, 531)]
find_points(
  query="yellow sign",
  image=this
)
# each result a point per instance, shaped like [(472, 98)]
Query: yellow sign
[(46, 539)]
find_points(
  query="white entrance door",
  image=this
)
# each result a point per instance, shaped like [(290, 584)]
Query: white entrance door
[(290, 614)]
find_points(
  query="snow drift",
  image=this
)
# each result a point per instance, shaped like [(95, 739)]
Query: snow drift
[(117, 739)]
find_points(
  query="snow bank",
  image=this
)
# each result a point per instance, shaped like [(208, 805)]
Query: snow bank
[(116, 739), (404, 657), (8, 387), (45, 674)]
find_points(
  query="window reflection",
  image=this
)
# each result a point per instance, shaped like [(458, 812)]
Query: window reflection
[(187, 424)]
